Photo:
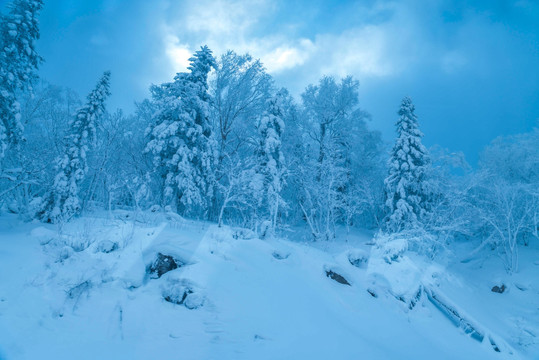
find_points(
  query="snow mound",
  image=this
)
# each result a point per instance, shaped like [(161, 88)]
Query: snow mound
[(183, 292), (358, 257)]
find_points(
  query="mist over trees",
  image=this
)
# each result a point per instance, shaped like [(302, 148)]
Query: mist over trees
[(222, 142)]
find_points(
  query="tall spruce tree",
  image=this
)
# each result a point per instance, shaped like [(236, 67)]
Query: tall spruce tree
[(270, 166), (406, 186), (181, 137), (18, 64), (62, 201)]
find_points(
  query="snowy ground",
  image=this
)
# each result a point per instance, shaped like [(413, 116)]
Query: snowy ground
[(72, 292)]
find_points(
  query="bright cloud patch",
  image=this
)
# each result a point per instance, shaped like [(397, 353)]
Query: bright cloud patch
[(287, 57), (177, 53)]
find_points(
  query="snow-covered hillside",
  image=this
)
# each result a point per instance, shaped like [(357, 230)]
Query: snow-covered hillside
[(87, 291)]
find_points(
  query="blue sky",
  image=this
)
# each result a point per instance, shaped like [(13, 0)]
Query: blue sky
[(472, 67)]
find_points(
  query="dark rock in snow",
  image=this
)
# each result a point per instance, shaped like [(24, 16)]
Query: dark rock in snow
[(498, 289), (161, 265), (337, 277), (280, 256)]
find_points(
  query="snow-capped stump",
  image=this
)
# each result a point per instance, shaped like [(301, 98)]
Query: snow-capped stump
[(337, 277), (358, 258), (182, 292), (161, 265), (107, 246), (498, 289)]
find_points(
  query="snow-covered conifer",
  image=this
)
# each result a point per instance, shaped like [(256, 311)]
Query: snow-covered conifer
[(407, 193), (270, 159), (181, 137), (18, 62), (62, 201)]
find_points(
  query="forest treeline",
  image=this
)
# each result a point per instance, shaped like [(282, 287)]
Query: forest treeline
[(222, 142)]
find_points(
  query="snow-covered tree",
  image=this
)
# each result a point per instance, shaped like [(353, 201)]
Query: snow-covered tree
[(181, 138), (62, 201), (406, 186), (503, 196), (505, 211), (45, 113), (323, 172), (19, 61), (240, 89), (271, 168)]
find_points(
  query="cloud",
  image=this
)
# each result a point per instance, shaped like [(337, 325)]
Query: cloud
[(287, 56), (223, 18), (362, 51), (177, 53)]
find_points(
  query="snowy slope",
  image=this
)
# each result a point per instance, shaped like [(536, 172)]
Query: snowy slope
[(63, 294)]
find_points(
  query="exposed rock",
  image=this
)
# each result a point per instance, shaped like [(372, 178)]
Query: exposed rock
[(337, 277), (161, 265), (498, 289)]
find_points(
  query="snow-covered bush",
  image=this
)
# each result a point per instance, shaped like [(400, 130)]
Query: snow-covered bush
[(418, 240)]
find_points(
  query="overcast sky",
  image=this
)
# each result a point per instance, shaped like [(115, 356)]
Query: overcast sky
[(471, 67)]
